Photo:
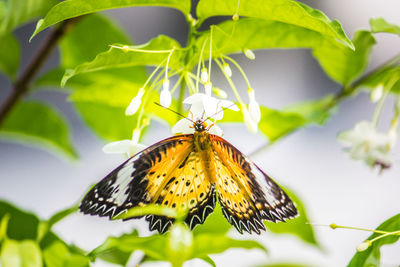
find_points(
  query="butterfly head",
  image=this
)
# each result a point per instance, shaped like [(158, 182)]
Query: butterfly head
[(200, 125)]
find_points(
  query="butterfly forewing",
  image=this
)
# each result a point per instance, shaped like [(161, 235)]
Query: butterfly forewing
[(246, 194), (139, 180)]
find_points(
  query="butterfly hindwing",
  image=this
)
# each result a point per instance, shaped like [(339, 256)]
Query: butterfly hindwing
[(188, 188), (138, 180), (246, 194)]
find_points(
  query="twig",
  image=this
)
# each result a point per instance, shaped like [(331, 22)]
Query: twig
[(22, 84)]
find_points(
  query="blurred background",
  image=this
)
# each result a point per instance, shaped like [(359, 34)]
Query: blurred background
[(310, 162)]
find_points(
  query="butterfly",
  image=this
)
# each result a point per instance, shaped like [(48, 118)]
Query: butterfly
[(192, 171)]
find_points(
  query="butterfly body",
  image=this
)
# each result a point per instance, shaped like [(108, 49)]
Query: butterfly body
[(192, 171)]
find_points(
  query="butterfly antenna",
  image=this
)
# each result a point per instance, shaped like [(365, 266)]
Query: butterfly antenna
[(216, 113), (173, 111)]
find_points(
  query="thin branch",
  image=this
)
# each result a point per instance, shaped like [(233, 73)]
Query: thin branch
[(22, 84)]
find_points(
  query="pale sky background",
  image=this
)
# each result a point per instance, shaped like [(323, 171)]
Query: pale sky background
[(310, 161)]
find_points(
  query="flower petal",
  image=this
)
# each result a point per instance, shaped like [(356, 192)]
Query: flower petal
[(118, 147), (135, 148), (183, 126), (215, 129), (255, 112), (198, 97), (229, 105)]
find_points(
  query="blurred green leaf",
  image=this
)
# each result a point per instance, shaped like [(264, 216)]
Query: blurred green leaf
[(20, 253), (372, 256), (39, 124), (22, 11), (78, 46), (286, 11), (58, 255), (297, 226), (276, 124), (315, 111), (74, 8), (106, 121), (206, 244), (22, 225), (382, 75), (253, 33), (10, 53), (150, 209), (381, 25), (117, 58), (343, 64)]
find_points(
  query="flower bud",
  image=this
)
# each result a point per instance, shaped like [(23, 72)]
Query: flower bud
[(135, 103), (363, 246), (235, 17), (165, 96), (376, 93), (204, 75), (250, 124), (254, 107), (227, 70), (166, 84), (136, 135), (219, 92), (249, 54)]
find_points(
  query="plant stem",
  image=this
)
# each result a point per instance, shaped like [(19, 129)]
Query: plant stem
[(22, 84), (181, 96)]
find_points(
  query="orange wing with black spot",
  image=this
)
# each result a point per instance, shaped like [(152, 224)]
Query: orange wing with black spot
[(166, 173), (246, 194)]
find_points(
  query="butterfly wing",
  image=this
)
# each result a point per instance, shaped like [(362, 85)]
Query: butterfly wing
[(187, 188), (137, 180), (247, 195), (159, 174)]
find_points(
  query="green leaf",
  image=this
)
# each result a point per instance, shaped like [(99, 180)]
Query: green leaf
[(343, 64), (22, 225), (284, 265), (74, 8), (117, 58), (10, 53), (286, 11), (151, 209), (297, 226), (58, 255), (253, 33), (78, 46), (36, 123), (314, 111), (276, 124), (22, 11), (20, 253), (372, 256), (385, 74), (381, 25)]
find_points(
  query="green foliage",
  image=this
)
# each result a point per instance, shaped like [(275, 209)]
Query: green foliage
[(9, 55), (74, 8), (298, 226), (26, 241), (117, 58), (48, 128), (24, 253), (343, 64), (286, 11), (372, 256), (381, 25), (21, 11)]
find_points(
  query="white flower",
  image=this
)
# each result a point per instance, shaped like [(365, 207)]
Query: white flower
[(180, 238), (367, 144), (131, 147), (204, 75), (254, 107), (248, 120), (249, 54), (135, 103), (376, 93), (210, 106), (165, 96), (219, 92), (227, 70)]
